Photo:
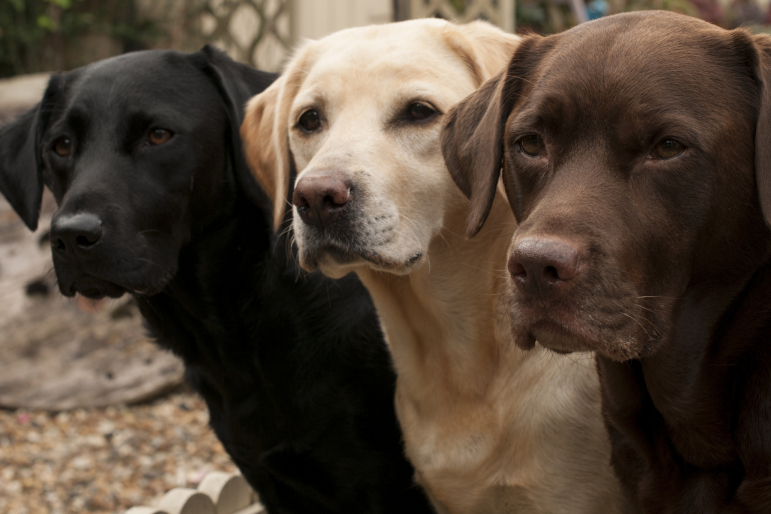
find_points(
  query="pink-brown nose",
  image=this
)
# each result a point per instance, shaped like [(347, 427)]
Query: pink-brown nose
[(539, 265), (321, 199)]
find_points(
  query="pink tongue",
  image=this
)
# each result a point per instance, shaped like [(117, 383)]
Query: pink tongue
[(89, 305)]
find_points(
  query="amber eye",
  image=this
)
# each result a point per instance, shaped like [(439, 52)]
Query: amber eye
[(418, 111), (532, 145), (667, 149), (158, 136), (310, 121), (63, 146)]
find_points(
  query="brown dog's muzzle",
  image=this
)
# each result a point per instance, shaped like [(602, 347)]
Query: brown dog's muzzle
[(321, 198), (542, 267)]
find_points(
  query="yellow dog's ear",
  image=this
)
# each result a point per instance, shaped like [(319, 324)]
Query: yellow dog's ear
[(485, 48), (265, 134)]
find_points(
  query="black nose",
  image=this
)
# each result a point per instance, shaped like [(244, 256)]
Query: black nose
[(321, 199), (539, 266), (75, 234)]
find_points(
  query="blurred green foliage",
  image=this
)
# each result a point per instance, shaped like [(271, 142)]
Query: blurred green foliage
[(51, 35)]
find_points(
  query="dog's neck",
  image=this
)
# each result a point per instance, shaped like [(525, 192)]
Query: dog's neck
[(716, 326), (446, 322), (218, 267)]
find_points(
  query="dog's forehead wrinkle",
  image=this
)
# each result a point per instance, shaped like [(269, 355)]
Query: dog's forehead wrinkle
[(619, 71)]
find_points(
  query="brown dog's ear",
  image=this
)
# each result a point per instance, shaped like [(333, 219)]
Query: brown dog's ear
[(472, 146), (485, 49), (265, 134), (763, 130), (472, 137)]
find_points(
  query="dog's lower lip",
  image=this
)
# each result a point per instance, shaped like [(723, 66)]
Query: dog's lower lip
[(93, 294), (550, 330), (412, 260)]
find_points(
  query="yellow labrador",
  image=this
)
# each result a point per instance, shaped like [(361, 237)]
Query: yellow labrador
[(489, 428)]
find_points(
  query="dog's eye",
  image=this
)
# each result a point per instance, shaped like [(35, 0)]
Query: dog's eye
[(310, 121), (532, 145), (667, 149), (63, 146), (418, 111), (158, 136)]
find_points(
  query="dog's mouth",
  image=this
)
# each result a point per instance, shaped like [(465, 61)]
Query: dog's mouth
[(553, 336), (96, 288), (92, 288), (335, 255), (563, 329)]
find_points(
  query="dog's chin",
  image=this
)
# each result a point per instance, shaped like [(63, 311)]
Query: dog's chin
[(577, 336), (551, 336), (91, 287), (112, 287), (337, 262)]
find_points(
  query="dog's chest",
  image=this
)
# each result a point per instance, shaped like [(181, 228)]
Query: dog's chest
[(475, 455)]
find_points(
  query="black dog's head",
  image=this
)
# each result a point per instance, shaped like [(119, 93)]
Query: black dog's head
[(139, 151), (635, 155)]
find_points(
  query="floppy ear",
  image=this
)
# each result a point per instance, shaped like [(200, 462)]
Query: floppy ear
[(763, 129), (21, 180), (236, 83), (485, 48), (472, 136), (265, 135), (472, 146)]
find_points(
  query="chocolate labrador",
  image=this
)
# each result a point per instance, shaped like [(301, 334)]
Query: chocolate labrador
[(636, 156), (154, 197)]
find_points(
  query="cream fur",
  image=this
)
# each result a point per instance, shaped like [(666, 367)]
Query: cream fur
[(489, 428)]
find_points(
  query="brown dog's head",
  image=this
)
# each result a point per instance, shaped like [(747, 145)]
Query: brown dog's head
[(359, 114), (636, 155)]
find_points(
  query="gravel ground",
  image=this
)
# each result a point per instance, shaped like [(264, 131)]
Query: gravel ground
[(105, 460)]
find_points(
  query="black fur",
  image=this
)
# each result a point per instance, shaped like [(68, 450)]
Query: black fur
[(292, 366)]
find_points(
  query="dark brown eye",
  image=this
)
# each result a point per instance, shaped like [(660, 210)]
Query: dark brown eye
[(667, 149), (310, 121), (532, 145), (158, 136), (63, 146), (418, 111)]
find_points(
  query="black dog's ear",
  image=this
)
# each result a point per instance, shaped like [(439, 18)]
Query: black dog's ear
[(21, 180), (236, 83), (763, 129), (472, 137)]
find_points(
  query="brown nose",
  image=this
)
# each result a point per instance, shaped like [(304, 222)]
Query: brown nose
[(321, 199), (539, 265)]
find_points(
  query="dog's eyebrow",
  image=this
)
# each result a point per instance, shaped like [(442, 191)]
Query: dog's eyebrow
[(75, 120), (139, 122), (529, 120), (404, 97), (166, 118), (650, 124)]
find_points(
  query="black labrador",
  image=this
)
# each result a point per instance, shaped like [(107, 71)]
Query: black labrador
[(143, 156), (636, 154)]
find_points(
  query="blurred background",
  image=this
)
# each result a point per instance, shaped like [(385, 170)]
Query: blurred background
[(93, 416), (51, 35)]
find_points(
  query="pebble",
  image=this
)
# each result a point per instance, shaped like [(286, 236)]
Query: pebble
[(105, 460)]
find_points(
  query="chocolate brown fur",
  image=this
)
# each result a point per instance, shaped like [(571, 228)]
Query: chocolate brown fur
[(673, 290)]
